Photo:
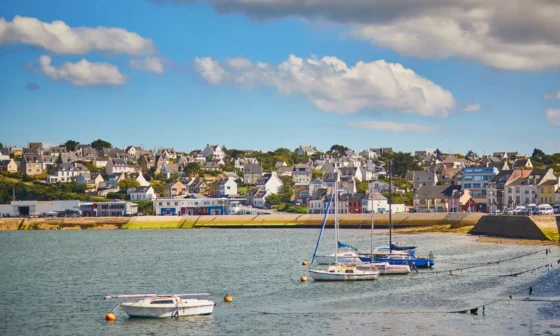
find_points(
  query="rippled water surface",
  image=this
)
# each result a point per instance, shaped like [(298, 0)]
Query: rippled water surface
[(53, 283)]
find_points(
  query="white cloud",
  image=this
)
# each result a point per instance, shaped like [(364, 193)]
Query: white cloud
[(151, 64), (512, 34), (209, 69), (553, 116), (239, 62), (83, 73), (552, 95), (392, 126), (59, 38), (333, 86), (472, 108)]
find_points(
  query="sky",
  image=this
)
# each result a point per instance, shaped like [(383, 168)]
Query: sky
[(457, 75)]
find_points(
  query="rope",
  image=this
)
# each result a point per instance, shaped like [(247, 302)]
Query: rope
[(484, 264)]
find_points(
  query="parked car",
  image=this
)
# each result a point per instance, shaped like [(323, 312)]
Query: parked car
[(545, 209), (556, 208), (520, 210)]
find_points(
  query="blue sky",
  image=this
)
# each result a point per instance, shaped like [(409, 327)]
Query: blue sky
[(184, 105)]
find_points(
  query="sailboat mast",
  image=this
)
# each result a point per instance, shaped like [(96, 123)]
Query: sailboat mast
[(371, 197), (336, 220), (390, 206)]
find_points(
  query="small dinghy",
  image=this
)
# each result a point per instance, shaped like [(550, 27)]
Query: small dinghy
[(165, 305)]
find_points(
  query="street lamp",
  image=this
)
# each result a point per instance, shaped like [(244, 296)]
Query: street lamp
[(491, 194), (417, 201)]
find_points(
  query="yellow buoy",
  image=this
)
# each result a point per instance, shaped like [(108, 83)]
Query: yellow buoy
[(228, 298), (303, 278), (110, 317), (304, 263)]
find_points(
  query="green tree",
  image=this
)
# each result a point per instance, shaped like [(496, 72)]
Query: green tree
[(285, 152), (316, 174), (437, 152), (128, 183), (229, 166), (362, 187), (100, 144), (274, 199), (402, 162), (1, 146), (338, 149), (192, 169), (71, 145)]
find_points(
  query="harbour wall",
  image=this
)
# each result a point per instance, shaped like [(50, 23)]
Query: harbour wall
[(525, 227), (400, 220)]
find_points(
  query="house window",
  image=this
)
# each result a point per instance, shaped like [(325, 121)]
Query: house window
[(542, 191), (168, 203), (517, 190)]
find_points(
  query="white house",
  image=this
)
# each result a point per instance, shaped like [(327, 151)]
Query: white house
[(270, 183), (168, 153), (351, 172), (315, 185), (369, 154), (301, 173), (142, 180), (67, 172), (213, 152), (118, 166), (280, 164), (226, 187), (4, 154), (100, 162), (168, 169), (145, 193), (309, 150), (375, 202)]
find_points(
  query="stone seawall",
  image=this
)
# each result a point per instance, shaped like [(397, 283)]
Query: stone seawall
[(245, 221), (525, 227)]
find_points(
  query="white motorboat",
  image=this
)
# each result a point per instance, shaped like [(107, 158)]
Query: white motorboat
[(342, 272), (165, 305), (387, 269)]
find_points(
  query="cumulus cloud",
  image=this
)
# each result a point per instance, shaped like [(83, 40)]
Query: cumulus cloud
[(472, 108), (82, 73), (553, 116), (392, 126), (151, 64), (60, 38), (513, 34), (552, 95), (209, 69), (32, 86), (332, 85)]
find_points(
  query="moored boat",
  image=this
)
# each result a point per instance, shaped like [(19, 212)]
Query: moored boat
[(166, 305), (342, 272)]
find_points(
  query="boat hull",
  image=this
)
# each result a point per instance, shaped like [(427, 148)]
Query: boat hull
[(418, 262), (388, 269), (135, 310), (320, 275)]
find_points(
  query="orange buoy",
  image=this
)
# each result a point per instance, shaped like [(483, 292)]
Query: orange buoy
[(303, 278), (228, 298), (304, 263), (110, 317)]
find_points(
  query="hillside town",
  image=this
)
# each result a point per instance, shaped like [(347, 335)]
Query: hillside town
[(98, 179)]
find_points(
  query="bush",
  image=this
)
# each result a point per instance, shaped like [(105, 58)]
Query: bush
[(116, 195)]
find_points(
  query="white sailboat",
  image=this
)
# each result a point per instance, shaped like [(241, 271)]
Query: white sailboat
[(384, 267), (341, 271)]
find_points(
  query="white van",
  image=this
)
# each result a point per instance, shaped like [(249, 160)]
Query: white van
[(545, 209)]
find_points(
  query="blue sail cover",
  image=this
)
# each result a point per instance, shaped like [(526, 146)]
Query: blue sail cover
[(402, 247), (342, 245)]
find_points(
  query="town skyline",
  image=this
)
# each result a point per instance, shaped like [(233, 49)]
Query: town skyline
[(282, 74)]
